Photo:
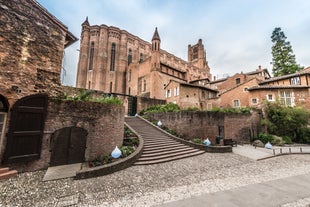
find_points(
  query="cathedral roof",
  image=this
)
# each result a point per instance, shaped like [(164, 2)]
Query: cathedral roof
[(156, 35)]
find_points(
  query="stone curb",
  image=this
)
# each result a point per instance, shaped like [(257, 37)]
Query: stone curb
[(87, 172)]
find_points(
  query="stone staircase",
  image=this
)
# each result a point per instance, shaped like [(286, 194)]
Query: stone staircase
[(6, 173), (158, 146)]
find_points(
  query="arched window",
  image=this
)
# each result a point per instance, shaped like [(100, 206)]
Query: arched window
[(129, 56), (112, 64), (129, 91), (91, 56)]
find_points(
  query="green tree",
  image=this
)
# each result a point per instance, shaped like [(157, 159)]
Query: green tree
[(288, 121), (283, 59)]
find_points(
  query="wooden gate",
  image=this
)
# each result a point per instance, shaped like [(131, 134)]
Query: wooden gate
[(26, 129), (132, 105), (68, 146)]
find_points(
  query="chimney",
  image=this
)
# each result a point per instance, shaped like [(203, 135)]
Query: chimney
[(214, 78), (259, 67)]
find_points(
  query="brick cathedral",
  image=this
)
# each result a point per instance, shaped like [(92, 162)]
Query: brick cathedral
[(115, 61)]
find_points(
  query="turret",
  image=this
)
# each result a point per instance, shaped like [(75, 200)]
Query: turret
[(155, 50)]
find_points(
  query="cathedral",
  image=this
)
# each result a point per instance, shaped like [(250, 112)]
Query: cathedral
[(115, 61)]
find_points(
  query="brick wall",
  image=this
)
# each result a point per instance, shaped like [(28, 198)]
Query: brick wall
[(29, 40), (103, 122), (206, 124)]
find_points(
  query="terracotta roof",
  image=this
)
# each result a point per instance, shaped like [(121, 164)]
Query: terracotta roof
[(285, 77), (191, 85), (277, 87)]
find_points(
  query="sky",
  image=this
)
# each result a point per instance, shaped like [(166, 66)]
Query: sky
[(236, 33)]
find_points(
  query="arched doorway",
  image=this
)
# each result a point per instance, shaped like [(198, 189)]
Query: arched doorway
[(68, 146), (26, 127), (4, 108)]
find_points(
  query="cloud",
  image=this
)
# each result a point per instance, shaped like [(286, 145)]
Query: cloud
[(236, 33)]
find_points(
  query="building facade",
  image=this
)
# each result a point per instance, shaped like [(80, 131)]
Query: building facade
[(115, 61)]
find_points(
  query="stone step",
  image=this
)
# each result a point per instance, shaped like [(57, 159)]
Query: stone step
[(151, 162), (172, 154), (170, 151), (4, 170), (171, 146), (163, 141), (164, 149), (8, 174)]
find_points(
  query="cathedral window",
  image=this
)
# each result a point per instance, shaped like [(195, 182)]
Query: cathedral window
[(141, 58), (129, 56), (129, 75), (111, 87), (112, 64), (91, 56), (144, 85)]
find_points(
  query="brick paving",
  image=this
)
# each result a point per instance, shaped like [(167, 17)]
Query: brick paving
[(151, 185)]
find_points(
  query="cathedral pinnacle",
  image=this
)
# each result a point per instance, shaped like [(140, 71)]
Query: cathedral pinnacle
[(156, 35)]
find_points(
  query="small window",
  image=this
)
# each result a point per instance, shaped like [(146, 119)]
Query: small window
[(236, 104), (295, 81), (111, 84), (203, 94), (238, 81), (246, 89), (129, 91), (168, 93), (270, 97), (254, 100)]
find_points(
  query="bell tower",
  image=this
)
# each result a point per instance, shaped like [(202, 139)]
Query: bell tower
[(155, 60)]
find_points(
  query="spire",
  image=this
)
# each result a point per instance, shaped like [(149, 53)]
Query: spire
[(156, 35), (86, 22)]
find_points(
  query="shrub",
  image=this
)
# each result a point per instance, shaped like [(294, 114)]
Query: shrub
[(264, 137), (277, 141), (287, 140), (287, 121), (192, 109), (198, 141), (131, 141), (127, 150), (169, 107)]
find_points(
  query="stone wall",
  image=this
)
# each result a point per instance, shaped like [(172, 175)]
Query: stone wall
[(201, 124), (144, 103)]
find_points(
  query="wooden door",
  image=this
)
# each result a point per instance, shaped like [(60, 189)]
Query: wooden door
[(68, 146), (26, 129)]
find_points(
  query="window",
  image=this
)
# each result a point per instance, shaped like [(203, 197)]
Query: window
[(144, 85), (269, 97), (129, 56), (246, 89), (286, 98), (238, 81), (111, 84), (236, 103), (91, 56), (129, 91), (141, 58), (254, 100), (295, 81), (112, 64), (168, 93), (203, 94), (176, 91)]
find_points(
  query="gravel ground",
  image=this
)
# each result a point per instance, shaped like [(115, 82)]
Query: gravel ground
[(154, 184)]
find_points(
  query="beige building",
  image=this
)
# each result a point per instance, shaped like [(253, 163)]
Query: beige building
[(115, 61)]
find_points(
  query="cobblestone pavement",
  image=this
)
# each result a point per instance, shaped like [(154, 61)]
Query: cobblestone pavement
[(154, 184)]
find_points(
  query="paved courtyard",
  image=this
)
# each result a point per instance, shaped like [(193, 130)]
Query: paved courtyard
[(155, 184)]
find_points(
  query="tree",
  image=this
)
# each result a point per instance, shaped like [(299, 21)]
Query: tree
[(283, 59)]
